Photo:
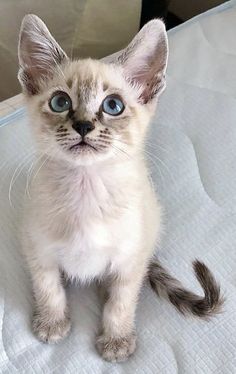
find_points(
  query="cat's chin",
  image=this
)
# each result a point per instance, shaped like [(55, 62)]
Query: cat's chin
[(83, 159), (87, 161)]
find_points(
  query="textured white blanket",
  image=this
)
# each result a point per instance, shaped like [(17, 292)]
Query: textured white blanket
[(192, 149)]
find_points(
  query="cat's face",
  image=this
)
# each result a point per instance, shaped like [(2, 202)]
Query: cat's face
[(87, 111)]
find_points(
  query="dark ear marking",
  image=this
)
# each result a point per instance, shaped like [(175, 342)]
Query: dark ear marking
[(144, 60), (29, 85), (38, 52)]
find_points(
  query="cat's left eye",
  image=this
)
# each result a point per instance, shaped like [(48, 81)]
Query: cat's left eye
[(60, 102), (113, 105)]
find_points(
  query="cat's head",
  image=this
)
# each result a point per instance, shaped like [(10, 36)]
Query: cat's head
[(89, 110)]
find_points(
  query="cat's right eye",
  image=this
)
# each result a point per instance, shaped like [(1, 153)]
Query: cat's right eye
[(60, 102)]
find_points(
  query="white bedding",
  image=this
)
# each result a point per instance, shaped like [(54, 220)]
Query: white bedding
[(193, 147)]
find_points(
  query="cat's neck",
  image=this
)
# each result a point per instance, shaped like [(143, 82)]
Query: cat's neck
[(95, 188), (65, 178), (59, 169)]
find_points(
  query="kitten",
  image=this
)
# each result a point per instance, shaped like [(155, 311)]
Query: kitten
[(93, 214)]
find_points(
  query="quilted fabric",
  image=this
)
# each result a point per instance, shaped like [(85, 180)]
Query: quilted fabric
[(191, 148)]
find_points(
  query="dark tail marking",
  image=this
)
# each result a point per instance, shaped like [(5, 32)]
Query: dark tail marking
[(184, 300)]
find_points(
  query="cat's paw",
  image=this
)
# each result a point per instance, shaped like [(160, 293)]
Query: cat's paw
[(116, 349), (51, 331)]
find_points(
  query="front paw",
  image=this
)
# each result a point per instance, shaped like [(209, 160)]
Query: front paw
[(116, 349), (50, 331)]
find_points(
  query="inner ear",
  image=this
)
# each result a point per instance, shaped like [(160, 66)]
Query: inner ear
[(38, 53), (145, 59)]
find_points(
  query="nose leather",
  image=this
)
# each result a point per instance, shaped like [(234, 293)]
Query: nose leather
[(83, 127)]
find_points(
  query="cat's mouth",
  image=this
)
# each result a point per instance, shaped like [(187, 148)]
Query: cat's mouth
[(82, 145)]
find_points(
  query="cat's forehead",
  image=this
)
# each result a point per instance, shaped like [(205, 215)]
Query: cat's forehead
[(93, 75)]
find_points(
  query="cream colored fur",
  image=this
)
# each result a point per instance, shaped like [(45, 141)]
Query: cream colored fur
[(92, 215)]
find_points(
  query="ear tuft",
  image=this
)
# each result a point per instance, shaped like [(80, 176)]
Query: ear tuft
[(145, 60), (38, 53)]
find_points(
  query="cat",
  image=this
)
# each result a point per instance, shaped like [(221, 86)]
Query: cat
[(93, 214)]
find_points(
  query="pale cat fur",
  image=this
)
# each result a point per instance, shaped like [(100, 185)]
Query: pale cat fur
[(93, 215)]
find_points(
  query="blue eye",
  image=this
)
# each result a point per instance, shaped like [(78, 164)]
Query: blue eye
[(60, 102), (113, 105)]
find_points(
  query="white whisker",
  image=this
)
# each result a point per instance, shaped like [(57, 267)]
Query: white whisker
[(17, 173), (162, 162), (155, 163), (43, 163)]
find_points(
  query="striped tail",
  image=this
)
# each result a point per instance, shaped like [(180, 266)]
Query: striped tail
[(184, 300)]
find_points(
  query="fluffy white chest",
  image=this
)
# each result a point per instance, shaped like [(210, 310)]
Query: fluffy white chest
[(98, 224), (90, 213), (87, 254)]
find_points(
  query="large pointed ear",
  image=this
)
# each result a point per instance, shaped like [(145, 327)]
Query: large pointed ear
[(38, 53), (145, 59)]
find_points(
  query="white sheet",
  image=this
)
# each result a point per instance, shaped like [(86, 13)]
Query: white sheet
[(193, 140)]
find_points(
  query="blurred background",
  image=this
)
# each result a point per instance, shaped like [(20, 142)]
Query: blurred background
[(85, 28)]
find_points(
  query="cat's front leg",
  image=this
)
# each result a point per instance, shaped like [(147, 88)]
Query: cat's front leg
[(118, 339), (51, 321)]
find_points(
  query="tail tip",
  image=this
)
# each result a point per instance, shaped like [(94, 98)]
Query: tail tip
[(213, 299)]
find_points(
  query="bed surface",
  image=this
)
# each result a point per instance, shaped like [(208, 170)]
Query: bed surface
[(192, 150)]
